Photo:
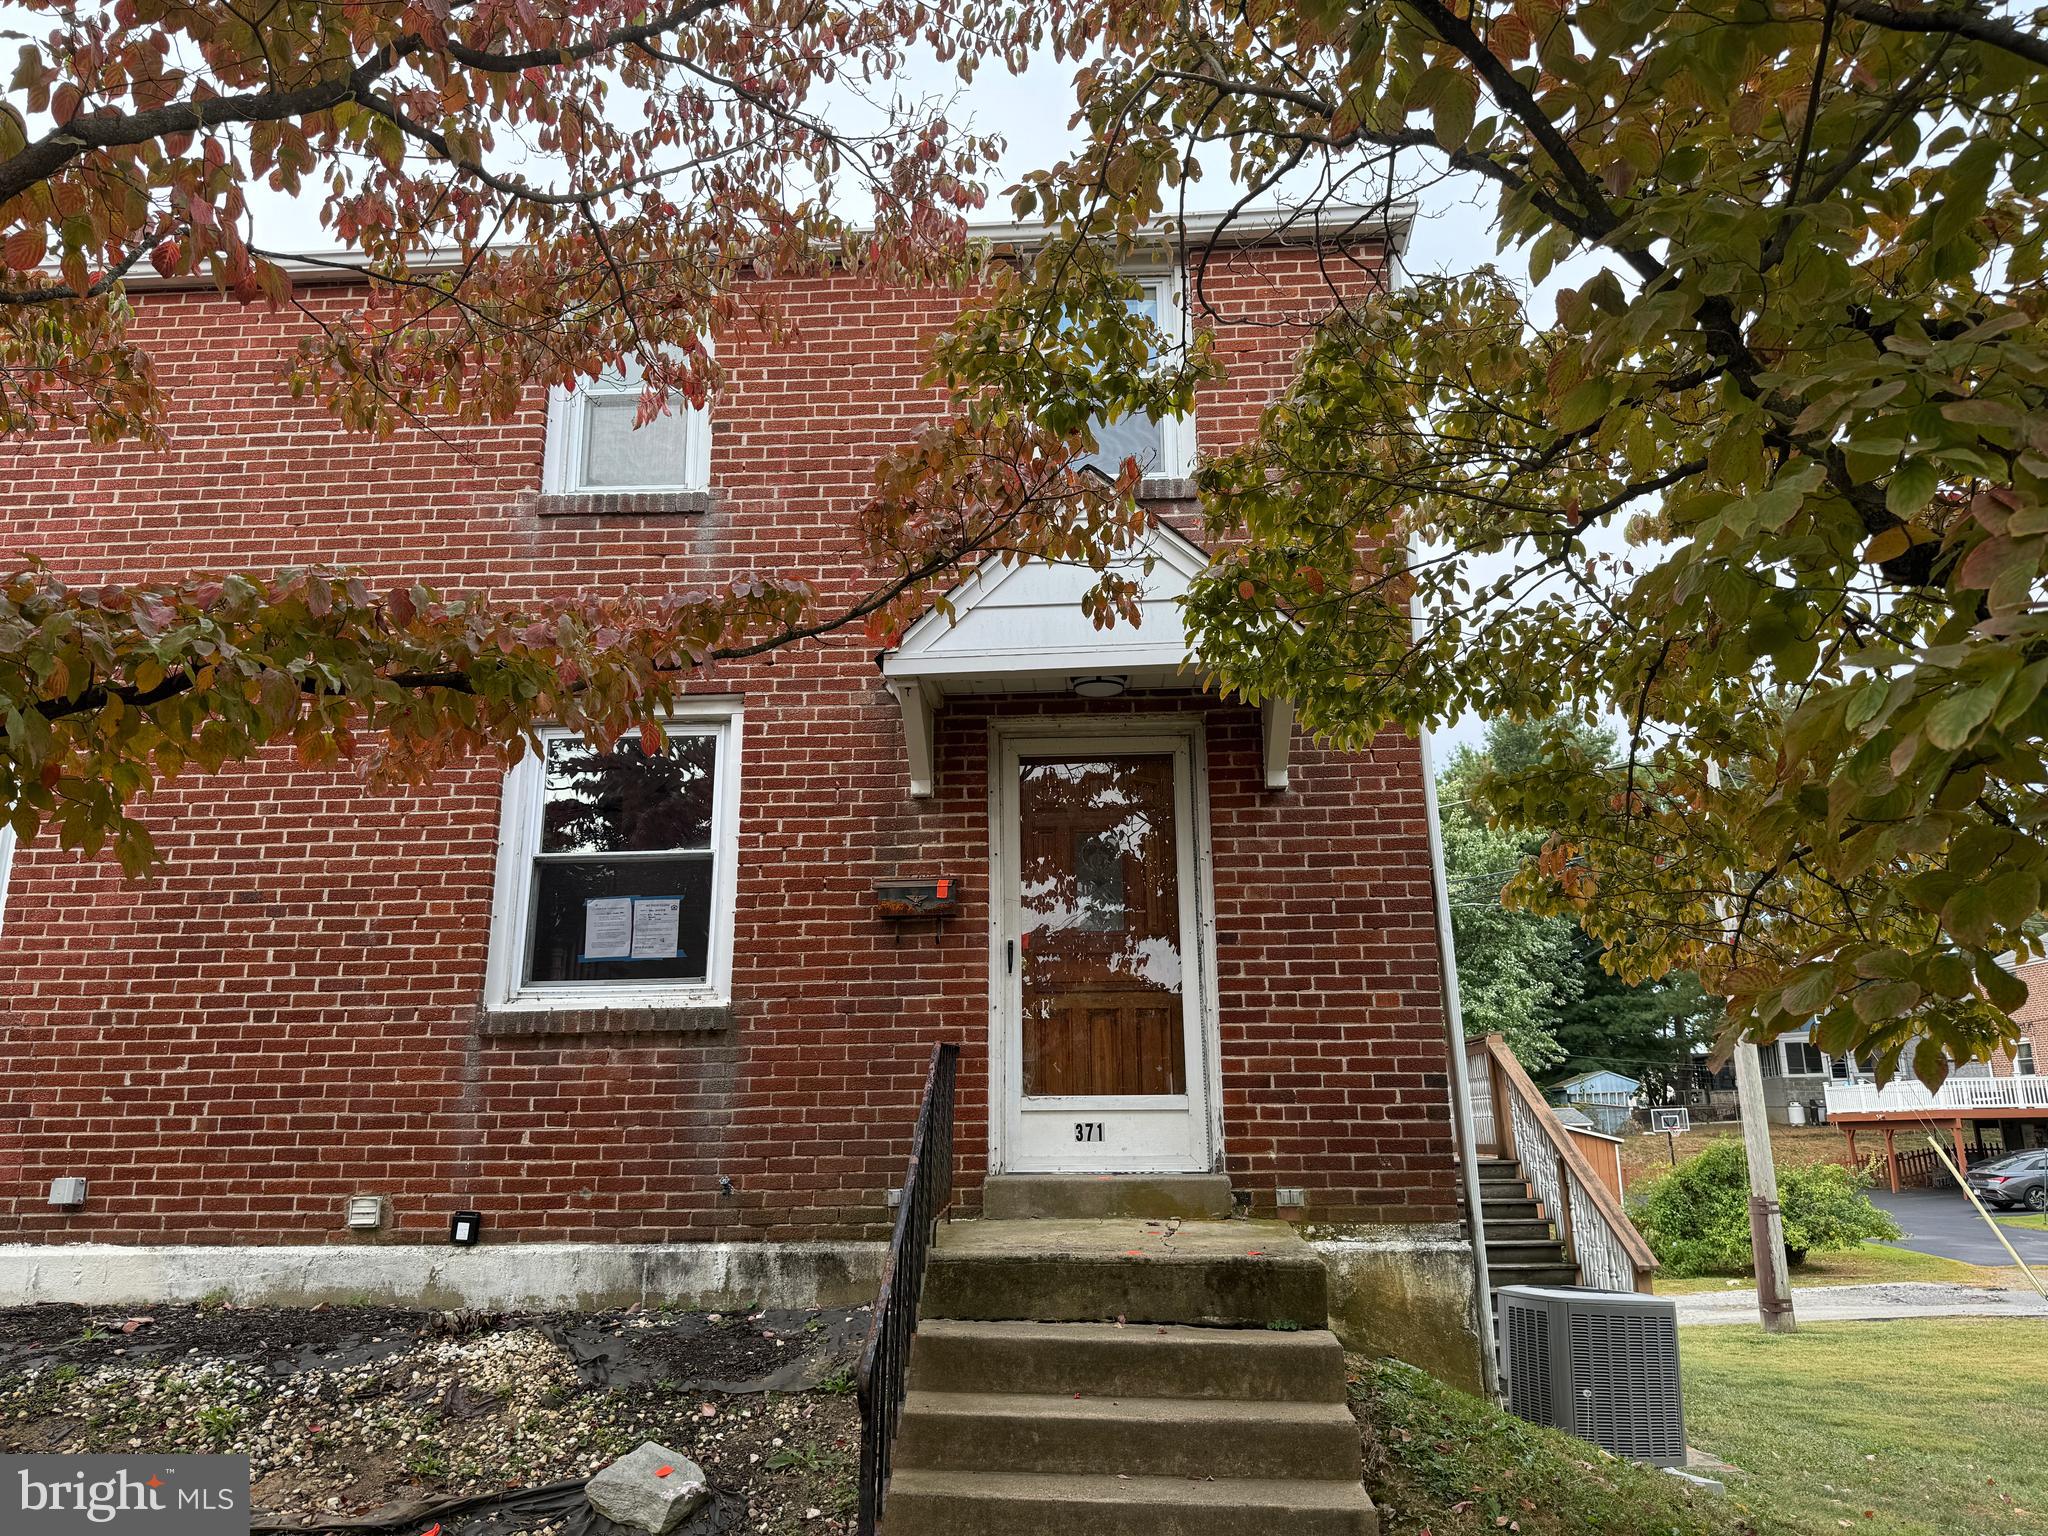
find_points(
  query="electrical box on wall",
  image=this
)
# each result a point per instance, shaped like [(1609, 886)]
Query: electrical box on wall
[(917, 898)]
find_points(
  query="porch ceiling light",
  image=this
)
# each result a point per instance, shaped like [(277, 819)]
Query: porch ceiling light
[(1104, 686)]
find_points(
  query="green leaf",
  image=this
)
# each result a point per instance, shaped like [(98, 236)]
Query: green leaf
[(1952, 722), (1911, 488), (1969, 915)]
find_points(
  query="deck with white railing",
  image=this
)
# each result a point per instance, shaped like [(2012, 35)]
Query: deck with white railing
[(1957, 1096)]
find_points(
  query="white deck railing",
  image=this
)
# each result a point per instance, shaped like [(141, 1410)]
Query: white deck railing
[(1958, 1094)]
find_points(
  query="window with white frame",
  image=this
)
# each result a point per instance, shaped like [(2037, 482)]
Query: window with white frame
[(616, 868), (6, 867), (1165, 450), (596, 442), (1803, 1059), (2023, 1058)]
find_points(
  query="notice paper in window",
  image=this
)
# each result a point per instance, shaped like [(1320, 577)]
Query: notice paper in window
[(608, 928), (657, 920)]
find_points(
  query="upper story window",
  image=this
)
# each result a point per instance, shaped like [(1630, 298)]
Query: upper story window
[(594, 445), (2023, 1058), (1165, 450), (616, 869)]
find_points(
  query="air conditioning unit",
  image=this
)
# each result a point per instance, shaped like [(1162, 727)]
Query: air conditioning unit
[(1670, 1120), (1602, 1365)]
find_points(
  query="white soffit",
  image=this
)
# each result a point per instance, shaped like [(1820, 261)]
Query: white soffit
[(1020, 629)]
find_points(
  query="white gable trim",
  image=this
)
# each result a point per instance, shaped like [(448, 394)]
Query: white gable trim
[(1019, 628)]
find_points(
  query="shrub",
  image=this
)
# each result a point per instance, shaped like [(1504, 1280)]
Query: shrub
[(1696, 1217)]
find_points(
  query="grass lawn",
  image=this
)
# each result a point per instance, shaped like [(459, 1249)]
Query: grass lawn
[(1921, 1428), (1861, 1266), (1440, 1462), (2031, 1221)]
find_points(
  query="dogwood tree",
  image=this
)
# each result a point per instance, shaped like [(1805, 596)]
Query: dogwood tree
[(537, 192), (1768, 483)]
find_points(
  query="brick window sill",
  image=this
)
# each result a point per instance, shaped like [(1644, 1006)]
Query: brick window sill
[(625, 504), (1159, 489), (677, 1018)]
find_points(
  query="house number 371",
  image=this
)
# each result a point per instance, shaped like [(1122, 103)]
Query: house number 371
[(1087, 1130)]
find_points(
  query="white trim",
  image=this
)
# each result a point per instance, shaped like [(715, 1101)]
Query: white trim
[(6, 868), (512, 895), (1185, 737), (1122, 649), (920, 737), (1276, 739), (568, 422)]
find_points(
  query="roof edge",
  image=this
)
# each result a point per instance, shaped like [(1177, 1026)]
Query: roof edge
[(1391, 222)]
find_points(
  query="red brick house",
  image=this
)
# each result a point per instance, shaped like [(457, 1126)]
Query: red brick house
[(620, 1000)]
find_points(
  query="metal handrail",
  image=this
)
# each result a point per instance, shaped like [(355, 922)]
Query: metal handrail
[(885, 1358)]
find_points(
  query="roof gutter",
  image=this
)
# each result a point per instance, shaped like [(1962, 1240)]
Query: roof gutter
[(1349, 223)]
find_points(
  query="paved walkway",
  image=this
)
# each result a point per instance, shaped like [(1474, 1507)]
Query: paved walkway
[(1860, 1303), (1941, 1221)]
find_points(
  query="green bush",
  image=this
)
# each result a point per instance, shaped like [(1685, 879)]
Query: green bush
[(1696, 1217)]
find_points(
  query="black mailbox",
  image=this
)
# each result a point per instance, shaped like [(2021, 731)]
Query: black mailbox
[(917, 898)]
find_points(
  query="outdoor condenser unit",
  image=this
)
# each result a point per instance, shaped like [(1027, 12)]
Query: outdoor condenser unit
[(1602, 1365)]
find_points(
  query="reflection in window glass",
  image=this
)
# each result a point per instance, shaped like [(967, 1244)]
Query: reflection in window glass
[(625, 868), (625, 801), (1131, 437)]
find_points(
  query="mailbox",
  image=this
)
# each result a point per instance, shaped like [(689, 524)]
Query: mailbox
[(917, 898)]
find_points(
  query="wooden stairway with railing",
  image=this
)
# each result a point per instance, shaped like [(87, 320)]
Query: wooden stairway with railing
[(1522, 1248), (1550, 1218)]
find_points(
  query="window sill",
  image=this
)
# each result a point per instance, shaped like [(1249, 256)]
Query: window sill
[(624, 504), (640, 1014), (1164, 488)]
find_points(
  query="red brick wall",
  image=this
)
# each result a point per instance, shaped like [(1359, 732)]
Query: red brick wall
[(287, 1014)]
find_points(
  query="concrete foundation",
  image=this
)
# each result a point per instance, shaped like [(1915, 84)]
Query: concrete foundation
[(1409, 1292), (581, 1276)]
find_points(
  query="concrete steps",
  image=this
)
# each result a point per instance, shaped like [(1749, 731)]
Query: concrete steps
[(1131, 1436), (1125, 1377), (1102, 1359), (1034, 1504), (1057, 1196), (1227, 1274)]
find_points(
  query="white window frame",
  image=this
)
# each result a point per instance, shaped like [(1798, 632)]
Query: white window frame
[(2020, 1068), (6, 867), (512, 901), (1176, 433), (567, 436)]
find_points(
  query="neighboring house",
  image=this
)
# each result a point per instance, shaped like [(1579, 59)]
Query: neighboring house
[(1983, 1108), (1606, 1099), (2030, 1053), (616, 998), (1796, 1074)]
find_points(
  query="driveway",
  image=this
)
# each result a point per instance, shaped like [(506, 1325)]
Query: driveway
[(1858, 1303), (1943, 1222)]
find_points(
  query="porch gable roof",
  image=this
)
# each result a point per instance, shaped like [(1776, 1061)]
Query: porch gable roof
[(1020, 628)]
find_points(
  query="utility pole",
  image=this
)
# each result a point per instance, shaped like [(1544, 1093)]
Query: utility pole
[(1766, 1220)]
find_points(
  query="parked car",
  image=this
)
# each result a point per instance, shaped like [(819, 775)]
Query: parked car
[(2020, 1179)]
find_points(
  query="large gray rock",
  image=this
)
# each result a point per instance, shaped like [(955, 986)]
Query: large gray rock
[(633, 1492)]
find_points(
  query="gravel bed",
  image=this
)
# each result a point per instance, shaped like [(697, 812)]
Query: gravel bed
[(360, 1414)]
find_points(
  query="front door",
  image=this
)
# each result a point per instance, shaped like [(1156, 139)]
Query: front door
[(1099, 984)]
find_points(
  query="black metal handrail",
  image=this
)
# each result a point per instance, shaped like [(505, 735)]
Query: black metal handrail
[(885, 1359)]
